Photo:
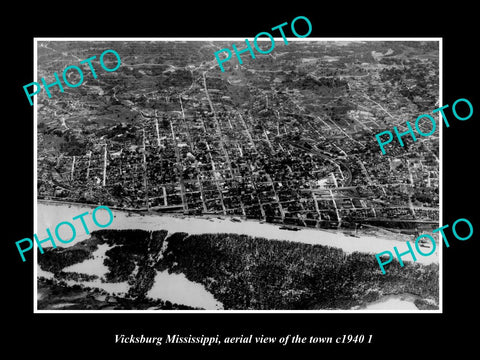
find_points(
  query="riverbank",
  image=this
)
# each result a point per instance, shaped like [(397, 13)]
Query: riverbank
[(50, 214)]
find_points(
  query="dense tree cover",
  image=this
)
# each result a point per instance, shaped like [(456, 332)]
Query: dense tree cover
[(54, 260), (244, 272), (254, 273), (131, 247)]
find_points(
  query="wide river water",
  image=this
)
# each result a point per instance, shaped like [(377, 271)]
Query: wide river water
[(50, 214), (176, 287)]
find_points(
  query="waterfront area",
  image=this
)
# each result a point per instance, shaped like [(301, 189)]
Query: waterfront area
[(286, 139), (161, 262), (260, 188)]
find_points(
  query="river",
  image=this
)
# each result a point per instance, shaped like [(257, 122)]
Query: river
[(176, 288), (50, 214)]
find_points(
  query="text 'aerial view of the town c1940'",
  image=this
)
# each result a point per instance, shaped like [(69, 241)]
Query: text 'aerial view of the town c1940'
[(258, 188)]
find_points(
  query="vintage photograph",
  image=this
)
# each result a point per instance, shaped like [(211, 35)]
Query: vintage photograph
[(258, 188)]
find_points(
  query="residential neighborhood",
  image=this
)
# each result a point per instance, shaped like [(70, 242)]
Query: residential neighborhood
[(288, 138)]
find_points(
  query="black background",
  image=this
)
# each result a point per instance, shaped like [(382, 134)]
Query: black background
[(59, 335)]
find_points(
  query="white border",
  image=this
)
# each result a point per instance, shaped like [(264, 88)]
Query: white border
[(199, 312)]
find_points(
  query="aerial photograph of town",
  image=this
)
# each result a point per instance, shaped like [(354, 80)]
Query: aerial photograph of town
[(259, 188)]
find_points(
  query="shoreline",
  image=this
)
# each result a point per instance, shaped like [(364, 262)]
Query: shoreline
[(50, 213)]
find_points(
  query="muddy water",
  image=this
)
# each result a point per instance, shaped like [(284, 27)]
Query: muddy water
[(51, 214)]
